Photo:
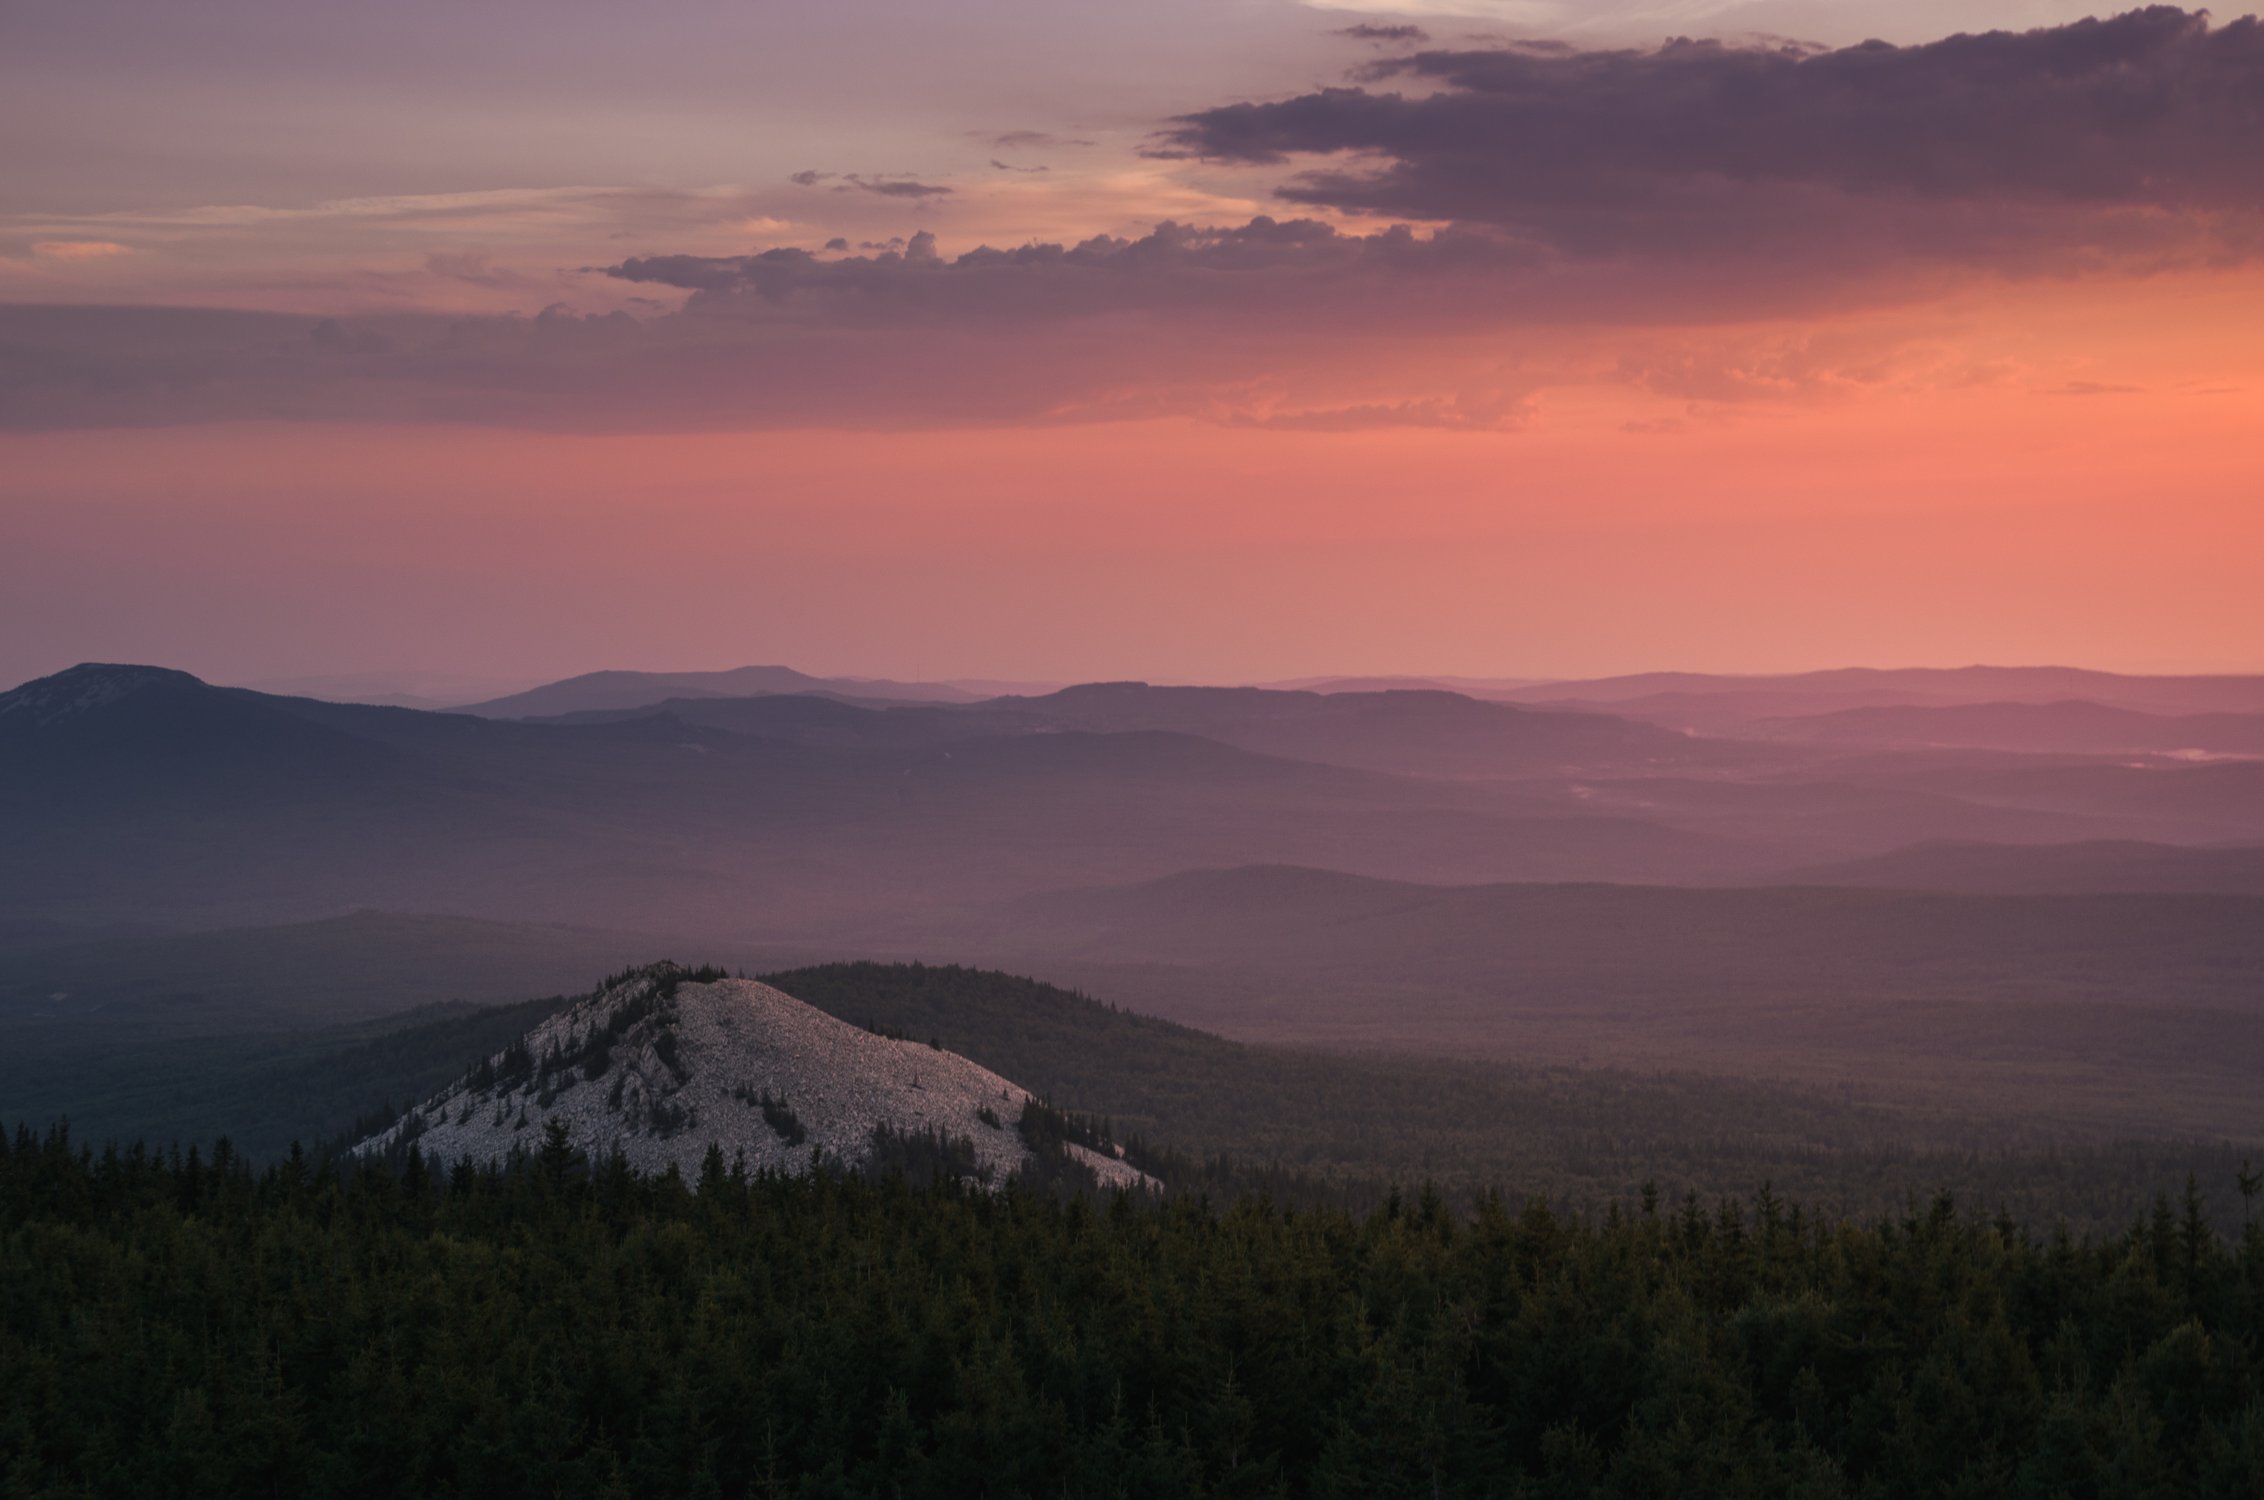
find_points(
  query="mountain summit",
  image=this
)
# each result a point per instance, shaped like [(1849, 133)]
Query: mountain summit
[(663, 1062), (47, 701)]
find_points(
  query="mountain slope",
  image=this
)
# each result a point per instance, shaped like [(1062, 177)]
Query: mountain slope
[(662, 1063)]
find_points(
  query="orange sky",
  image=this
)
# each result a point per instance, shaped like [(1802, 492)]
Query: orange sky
[(1764, 409), (1921, 522)]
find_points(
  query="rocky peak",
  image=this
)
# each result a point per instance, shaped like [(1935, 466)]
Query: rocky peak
[(661, 1063)]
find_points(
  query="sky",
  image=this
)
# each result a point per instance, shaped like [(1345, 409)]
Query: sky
[(1058, 339)]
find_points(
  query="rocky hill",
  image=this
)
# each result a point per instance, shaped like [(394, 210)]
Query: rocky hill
[(660, 1063)]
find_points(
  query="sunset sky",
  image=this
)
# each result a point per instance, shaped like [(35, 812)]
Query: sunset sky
[(1230, 340)]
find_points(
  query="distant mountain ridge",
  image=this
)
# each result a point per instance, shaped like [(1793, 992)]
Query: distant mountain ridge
[(1469, 687), (2098, 866), (2063, 726), (161, 798), (1719, 703), (1401, 731), (603, 691)]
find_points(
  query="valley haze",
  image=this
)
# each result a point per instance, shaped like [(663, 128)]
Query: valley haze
[(2063, 934)]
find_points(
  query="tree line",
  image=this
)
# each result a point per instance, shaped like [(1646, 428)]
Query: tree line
[(181, 1323)]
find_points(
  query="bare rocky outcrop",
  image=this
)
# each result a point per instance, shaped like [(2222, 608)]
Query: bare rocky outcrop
[(662, 1062)]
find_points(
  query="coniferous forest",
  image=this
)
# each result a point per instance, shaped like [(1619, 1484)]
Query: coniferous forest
[(186, 1325)]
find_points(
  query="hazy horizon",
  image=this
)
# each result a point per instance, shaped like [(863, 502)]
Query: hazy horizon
[(455, 685)]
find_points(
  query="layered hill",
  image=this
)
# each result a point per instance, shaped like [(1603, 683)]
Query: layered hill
[(663, 1063), (136, 793)]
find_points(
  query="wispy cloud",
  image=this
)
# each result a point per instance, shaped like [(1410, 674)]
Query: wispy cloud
[(885, 186), (1029, 140), (78, 249), (1368, 31)]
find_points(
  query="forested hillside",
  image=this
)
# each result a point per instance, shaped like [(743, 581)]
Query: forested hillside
[(1324, 1127), (183, 1327)]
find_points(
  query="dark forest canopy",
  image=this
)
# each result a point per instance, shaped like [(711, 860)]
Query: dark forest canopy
[(177, 1324)]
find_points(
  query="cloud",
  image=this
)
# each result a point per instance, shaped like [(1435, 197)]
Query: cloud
[(1730, 369), (2093, 388), (1029, 140), (1290, 325), (78, 249), (886, 187), (1242, 272), (472, 267), (1182, 320), (898, 187), (1499, 412), (1369, 32), (1657, 220), (1522, 13), (2085, 135)]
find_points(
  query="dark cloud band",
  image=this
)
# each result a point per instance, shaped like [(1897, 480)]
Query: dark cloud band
[(2155, 109)]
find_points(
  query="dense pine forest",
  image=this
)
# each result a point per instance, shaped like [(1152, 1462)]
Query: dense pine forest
[(181, 1324)]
